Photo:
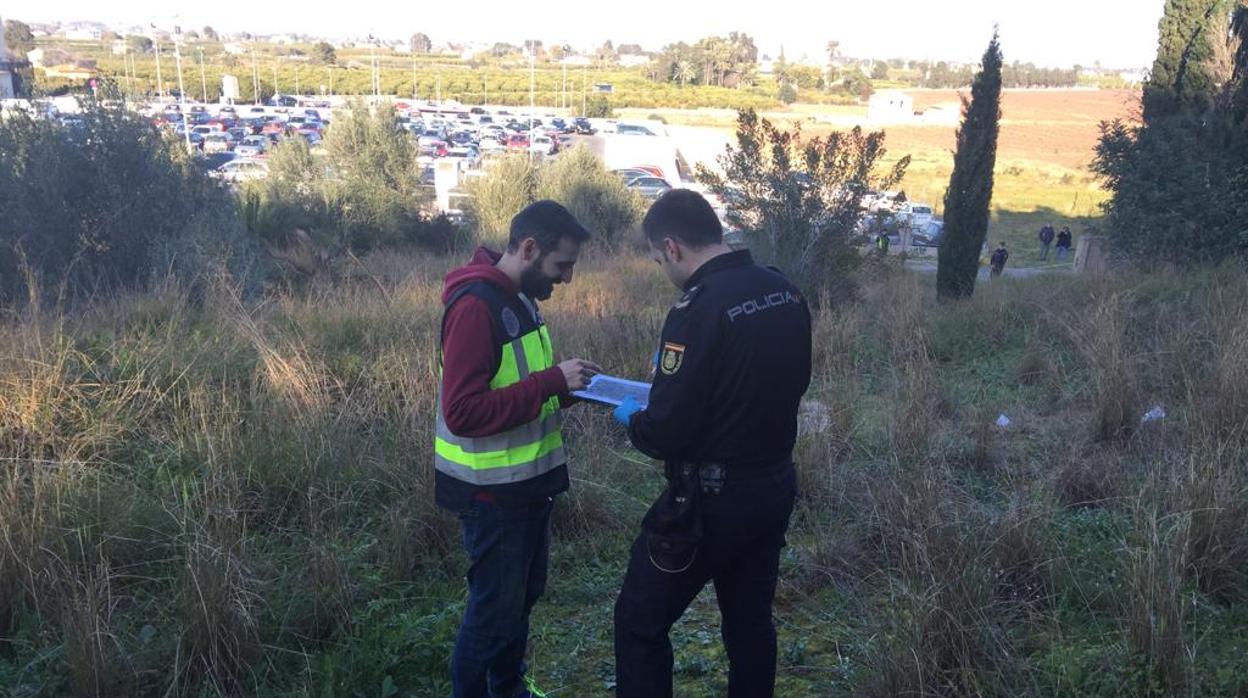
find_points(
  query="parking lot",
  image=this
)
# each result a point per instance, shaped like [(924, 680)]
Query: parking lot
[(235, 140)]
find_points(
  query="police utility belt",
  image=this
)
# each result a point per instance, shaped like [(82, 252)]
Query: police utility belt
[(672, 528)]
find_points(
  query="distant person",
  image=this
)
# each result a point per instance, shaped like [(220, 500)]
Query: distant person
[(881, 243), (999, 258), (1046, 240), (1064, 242)]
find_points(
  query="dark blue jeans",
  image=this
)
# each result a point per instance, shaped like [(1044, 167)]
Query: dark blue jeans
[(743, 531), (508, 549)]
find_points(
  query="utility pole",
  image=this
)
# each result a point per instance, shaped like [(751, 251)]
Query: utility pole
[(274, 77), (584, 95), (203, 78), (160, 84), (372, 45), (125, 64), (255, 78), (297, 80), (413, 76), (177, 55)]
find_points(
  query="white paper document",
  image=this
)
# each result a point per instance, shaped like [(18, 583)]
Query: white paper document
[(614, 391)]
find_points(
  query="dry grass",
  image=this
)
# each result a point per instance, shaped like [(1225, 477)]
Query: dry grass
[(251, 479)]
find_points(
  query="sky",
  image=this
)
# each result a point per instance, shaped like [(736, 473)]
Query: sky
[(1059, 33)]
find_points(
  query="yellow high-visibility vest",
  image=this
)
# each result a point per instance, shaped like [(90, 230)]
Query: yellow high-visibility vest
[(521, 453)]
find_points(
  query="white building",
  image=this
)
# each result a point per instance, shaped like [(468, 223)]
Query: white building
[(6, 76), (83, 34), (890, 106)]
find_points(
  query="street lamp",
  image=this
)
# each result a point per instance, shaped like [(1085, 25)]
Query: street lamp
[(203, 78), (372, 46), (177, 54), (160, 84)]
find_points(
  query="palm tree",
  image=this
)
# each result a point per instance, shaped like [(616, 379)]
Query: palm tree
[(684, 72)]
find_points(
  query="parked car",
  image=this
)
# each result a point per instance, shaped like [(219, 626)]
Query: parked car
[(541, 144), (930, 235), (916, 216), (630, 173), (217, 142), (433, 148), (633, 130), (650, 187), (492, 145), (252, 147), (517, 141), (213, 161), (237, 171)]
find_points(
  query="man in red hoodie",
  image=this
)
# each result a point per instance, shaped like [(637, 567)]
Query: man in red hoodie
[(499, 452)]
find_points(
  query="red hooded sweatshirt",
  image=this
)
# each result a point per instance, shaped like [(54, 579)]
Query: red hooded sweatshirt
[(470, 358)]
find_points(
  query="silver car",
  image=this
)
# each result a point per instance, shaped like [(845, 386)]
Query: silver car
[(650, 187)]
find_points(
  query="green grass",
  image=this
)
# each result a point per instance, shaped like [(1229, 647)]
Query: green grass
[(213, 498)]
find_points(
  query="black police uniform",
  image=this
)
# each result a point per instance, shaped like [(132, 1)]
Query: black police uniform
[(733, 364)]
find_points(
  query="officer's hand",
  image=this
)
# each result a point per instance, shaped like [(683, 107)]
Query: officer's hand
[(625, 411), (578, 373)]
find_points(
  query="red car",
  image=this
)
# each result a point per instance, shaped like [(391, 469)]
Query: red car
[(517, 141), (434, 149)]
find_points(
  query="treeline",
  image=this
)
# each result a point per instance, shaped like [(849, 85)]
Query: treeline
[(942, 75), (423, 79)]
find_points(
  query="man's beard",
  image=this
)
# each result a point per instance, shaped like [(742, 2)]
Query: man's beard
[(535, 285)]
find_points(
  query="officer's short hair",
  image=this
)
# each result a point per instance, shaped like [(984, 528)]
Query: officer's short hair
[(682, 214), (547, 222)]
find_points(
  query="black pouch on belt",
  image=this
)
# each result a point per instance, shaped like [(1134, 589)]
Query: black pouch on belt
[(673, 526)]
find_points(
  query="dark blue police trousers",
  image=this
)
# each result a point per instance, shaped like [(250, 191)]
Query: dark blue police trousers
[(743, 534)]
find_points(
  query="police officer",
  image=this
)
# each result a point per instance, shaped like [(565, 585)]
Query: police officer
[(732, 365)]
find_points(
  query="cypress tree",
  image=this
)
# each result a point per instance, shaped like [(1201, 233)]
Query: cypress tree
[(970, 186), (1183, 77)]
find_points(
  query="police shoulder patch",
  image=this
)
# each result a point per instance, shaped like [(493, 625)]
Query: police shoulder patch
[(511, 323), (686, 299), (673, 358)]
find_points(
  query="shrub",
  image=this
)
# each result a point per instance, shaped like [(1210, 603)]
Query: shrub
[(577, 179), (106, 201), (508, 185), (797, 203), (599, 200), (364, 194)]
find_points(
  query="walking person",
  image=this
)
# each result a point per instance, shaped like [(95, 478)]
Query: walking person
[(734, 361), (999, 258), (1065, 240), (1046, 241), (498, 450)]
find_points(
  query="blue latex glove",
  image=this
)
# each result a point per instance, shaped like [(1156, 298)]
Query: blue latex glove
[(626, 410)]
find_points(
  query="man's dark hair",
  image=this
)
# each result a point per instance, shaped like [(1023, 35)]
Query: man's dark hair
[(683, 215), (547, 222)]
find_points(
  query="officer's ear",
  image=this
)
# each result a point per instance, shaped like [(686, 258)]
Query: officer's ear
[(672, 249)]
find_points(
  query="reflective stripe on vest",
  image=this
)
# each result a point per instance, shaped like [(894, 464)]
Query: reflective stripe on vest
[(522, 453)]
